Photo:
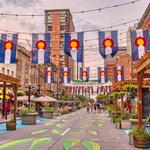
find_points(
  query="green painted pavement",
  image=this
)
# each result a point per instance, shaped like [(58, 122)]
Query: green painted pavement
[(70, 142)]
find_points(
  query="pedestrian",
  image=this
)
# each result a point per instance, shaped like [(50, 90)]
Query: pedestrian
[(129, 107), (95, 108), (88, 109)]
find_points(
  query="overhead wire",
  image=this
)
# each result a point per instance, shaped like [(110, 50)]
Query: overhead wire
[(74, 12)]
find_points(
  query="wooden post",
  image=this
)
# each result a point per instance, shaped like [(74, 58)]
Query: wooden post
[(4, 99), (15, 101), (140, 79), (122, 105), (115, 104)]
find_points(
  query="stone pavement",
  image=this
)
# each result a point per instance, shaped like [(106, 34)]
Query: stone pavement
[(78, 131)]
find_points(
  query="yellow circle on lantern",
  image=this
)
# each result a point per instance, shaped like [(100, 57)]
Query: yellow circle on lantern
[(102, 73), (108, 43), (140, 42), (74, 44), (65, 74), (49, 73), (119, 72), (8, 45), (84, 73), (41, 45)]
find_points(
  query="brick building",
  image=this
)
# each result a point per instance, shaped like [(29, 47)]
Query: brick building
[(144, 23), (121, 58), (57, 22)]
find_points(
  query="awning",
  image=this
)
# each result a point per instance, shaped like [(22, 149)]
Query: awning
[(68, 101), (44, 99)]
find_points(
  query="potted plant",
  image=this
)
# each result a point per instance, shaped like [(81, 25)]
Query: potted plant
[(140, 137), (125, 122), (48, 112), (118, 122), (134, 120), (28, 116), (110, 109), (11, 125)]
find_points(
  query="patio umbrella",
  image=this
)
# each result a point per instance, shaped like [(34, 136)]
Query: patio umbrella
[(44, 99)]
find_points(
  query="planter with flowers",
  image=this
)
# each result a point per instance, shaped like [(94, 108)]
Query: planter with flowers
[(28, 116), (48, 112), (140, 137)]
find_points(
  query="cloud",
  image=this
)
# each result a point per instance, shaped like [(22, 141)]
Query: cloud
[(84, 25), (22, 3)]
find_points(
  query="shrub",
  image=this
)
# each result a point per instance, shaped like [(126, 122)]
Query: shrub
[(50, 109), (117, 120), (140, 133), (134, 116), (25, 111), (125, 116)]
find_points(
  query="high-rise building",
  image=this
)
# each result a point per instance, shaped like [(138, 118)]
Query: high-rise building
[(57, 22)]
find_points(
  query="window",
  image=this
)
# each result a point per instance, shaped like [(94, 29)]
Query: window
[(3, 70), (8, 72), (12, 73)]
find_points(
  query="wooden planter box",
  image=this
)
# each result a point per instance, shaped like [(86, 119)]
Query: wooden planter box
[(47, 114), (134, 122), (29, 119), (10, 126), (125, 124), (141, 143)]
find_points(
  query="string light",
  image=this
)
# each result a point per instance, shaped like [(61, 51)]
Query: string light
[(75, 12), (94, 30)]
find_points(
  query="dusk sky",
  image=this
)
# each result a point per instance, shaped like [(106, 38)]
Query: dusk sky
[(82, 21)]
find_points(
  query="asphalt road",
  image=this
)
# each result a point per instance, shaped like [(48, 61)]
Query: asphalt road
[(75, 131)]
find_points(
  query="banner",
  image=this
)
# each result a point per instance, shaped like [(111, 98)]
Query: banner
[(102, 75), (140, 42), (41, 48), (84, 73), (74, 46), (49, 75), (65, 78), (119, 73), (8, 46), (108, 43)]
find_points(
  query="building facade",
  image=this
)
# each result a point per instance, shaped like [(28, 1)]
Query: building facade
[(57, 22), (121, 58), (144, 23)]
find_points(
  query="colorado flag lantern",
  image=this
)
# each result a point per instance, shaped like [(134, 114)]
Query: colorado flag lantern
[(140, 42), (65, 78), (102, 75), (8, 45), (84, 73), (41, 48), (74, 46), (49, 75), (108, 43), (119, 73)]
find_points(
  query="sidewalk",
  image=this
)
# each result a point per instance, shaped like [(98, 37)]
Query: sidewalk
[(111, 138)]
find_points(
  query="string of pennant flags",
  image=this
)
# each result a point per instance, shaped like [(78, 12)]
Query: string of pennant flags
[(102, 74), (74, 45), (86, 90)]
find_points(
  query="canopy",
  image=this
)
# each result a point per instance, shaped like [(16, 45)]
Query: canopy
[(61, 101), (24, 98), (44, 99)]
